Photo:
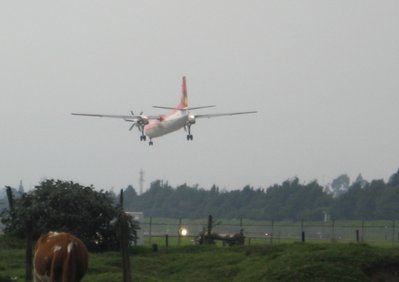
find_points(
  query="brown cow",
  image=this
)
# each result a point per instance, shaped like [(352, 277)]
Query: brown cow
[(60, 257)]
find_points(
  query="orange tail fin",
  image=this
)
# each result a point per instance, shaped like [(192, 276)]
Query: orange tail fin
[(184, 98)]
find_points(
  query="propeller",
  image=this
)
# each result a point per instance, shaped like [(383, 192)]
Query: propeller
[(135, 123), (134, 115)]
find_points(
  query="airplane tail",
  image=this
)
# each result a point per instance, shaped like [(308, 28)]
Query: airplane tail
[(183, 105), (184, 99)]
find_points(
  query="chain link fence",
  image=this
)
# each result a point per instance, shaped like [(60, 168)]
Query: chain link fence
[(370, 232)]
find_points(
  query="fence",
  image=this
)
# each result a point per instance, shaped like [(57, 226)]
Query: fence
[(371, 232)]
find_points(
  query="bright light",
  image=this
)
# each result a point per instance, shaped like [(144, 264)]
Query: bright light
[(183, 232)]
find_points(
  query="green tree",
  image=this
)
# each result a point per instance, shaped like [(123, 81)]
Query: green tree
[(129, 196), (344, 206), (340, 185), (56, 205), (359, 180), (394, 179), (387, 204), (366, 202)]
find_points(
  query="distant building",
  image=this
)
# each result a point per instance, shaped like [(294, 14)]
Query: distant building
[(138, 217)]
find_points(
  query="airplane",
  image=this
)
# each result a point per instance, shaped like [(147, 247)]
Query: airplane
[(153, 126)]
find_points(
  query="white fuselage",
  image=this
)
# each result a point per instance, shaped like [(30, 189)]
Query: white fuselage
[(168, 123)]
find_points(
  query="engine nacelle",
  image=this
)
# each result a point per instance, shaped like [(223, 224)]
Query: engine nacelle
[(191, 119), (143, 120)]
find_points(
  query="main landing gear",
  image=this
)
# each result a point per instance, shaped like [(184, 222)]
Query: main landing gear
[(144, 138), (189, 135)]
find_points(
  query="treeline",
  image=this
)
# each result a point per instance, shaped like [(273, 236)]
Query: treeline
[(289, 201)]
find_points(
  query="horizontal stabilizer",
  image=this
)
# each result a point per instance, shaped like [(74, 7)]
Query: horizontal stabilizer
[(184, 109)]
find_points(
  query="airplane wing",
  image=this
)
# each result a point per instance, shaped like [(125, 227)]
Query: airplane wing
[(224, 114), (124, 117)]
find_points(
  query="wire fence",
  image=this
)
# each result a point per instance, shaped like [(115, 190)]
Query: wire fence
[(370, 232)]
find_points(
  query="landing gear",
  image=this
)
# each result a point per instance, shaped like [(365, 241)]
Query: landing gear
[(151, 143), (142, 137), (189, 135)]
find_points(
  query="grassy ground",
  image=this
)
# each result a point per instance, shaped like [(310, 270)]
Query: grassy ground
[(273, 262)]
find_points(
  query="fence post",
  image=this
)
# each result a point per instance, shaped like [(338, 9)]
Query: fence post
[(28, 252), (166, 240), (332, 231), (393, 232), (357, 235), (124, 245), (121, 199), (178, 233), (209, 238), (124, 241), (271, 237), (10, 198), (302, 232), (303, 236), (150, 231), (362, 237)]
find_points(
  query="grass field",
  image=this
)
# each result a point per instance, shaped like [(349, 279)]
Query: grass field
[(273, 262)]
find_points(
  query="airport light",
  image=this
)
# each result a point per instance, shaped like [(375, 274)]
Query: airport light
[(183, 231)]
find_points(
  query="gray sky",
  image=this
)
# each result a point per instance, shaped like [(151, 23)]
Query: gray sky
[(322, 74)]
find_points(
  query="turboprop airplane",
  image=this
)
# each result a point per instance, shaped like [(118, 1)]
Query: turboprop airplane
[(159, 125)]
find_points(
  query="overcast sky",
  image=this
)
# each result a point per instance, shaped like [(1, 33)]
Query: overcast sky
[(323, 76)]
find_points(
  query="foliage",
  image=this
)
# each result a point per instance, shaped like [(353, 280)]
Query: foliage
[(340, 185), (394, 179), (375, 200), (8, 241), (58, 205), (65, 206), (290, 200)]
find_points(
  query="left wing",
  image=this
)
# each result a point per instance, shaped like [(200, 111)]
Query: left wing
[(125, 117), (224, 114)]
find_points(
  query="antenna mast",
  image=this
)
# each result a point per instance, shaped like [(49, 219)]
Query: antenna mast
[(141, 181)]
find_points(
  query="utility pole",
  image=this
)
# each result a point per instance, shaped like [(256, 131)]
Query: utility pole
[(141, 181)]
